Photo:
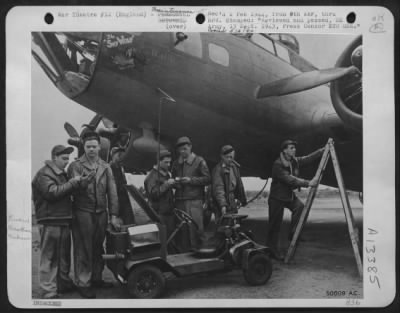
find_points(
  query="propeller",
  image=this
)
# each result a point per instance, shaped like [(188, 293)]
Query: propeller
[(347, 93), (76, 142), (303, 81), (71, 131), (74, 139), (111, 135)]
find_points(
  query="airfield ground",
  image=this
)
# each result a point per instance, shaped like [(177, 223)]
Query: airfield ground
[(324, 262)]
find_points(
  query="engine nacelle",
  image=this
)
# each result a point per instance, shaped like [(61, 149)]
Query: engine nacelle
[(346, 92)]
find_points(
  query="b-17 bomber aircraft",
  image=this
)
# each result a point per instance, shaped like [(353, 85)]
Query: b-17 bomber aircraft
[(248, 90)]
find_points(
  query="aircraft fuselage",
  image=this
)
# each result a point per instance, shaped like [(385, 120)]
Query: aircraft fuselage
[(213, 78)]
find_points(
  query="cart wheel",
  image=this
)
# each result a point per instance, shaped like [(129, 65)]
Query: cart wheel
[(146, 282), (259, 270)]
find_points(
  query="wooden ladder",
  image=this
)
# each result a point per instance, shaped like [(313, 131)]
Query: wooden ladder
[(329, 151)]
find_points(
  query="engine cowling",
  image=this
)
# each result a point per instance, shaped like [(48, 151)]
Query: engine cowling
[(346, 92)]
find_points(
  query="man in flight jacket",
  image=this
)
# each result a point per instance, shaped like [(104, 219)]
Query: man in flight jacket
[(285, 172)]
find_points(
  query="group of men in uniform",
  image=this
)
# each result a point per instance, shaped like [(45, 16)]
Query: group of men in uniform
[(184, 188), (87, 198), (83, 200)]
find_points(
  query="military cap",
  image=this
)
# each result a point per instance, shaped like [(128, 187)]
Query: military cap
[(182, 141), (287, 142), (226, 149), (60, 149), (164, 154), (90, 135)]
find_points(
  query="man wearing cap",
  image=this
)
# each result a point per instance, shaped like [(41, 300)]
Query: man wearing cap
[(90, 219), (192, 175), (227, 185), (125, 208), (285, 178), (158, 186), (51, 194)]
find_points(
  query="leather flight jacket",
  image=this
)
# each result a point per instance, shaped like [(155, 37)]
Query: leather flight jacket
[(159, 192), (285, 175), (227, 187), (100, 193), (196, 169), (51, 194)]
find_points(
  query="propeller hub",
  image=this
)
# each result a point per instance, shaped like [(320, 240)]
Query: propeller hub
[(346, 93), (356, 58)]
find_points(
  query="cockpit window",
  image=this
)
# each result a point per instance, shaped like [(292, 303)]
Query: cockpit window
[(68, 58), (282, 52), (82, 53), (263, 42), (287, 48), (288, 40), (218, 54), (190, 44)]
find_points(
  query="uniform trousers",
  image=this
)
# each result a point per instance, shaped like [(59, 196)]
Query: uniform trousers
[(276, 215), (88, 233), (169, 221), (192, 238), (55, 258)]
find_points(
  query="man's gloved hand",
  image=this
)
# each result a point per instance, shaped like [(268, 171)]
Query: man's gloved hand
[(116, 222)]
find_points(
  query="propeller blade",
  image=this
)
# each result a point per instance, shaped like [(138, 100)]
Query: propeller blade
[(94, 122), (302, 81), (75, 141), (70, 130)]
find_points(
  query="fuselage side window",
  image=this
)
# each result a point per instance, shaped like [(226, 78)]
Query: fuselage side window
[(282, 52), (263, 42), (218, 54), (191, 45)]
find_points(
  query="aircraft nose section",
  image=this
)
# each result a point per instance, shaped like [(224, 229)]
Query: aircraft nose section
[(68, 59)]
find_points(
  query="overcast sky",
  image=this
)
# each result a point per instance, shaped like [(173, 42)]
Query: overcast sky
[(50, 108)]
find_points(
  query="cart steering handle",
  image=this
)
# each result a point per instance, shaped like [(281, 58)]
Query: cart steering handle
[(184, 217)]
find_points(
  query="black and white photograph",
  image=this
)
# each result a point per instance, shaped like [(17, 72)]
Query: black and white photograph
[(243, 162), (222, 137)]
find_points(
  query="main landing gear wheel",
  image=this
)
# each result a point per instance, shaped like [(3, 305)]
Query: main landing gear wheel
[(146, 282), (184, 217), (259, 270)]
